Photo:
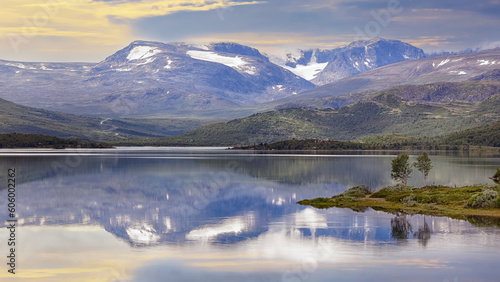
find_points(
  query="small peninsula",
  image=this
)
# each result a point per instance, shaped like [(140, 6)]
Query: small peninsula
[(459, 202)]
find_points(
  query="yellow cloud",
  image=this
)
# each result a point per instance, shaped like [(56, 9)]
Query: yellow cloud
[(274, 41), (88, 22), (430, 41)]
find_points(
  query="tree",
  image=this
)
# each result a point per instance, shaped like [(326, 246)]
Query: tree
[(424, 165), (401, 168), (496, 177)]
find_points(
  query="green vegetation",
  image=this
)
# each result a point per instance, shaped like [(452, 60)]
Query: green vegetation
[(475, 200), (486, 199), (383, 114), (496, 176), (487, 135), (27, 120), (483, 136), (312, 144), (16, 140), (462, 202), (401, 168), (424, 165)]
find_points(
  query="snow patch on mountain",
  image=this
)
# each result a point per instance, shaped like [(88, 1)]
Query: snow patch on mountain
[(485, 62), (169, 64), (234, 62), (21, 66), (278, 87), (45, 68), (443, 62), (142, 52), (307, 72)]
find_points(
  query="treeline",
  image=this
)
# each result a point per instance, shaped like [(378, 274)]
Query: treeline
[(17, 140), (488, 135), (315, 144)]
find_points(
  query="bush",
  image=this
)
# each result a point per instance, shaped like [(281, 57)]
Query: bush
[(397, 188), (410, 201), (486, 199), (356, 192), (386, 191)]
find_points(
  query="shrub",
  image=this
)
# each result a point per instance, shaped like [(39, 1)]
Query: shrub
[(356, 192), (386, 191), (486, 199), (410, 201)]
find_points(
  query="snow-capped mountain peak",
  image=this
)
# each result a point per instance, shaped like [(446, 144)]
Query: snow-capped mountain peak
[(326, 66), (142, 52)]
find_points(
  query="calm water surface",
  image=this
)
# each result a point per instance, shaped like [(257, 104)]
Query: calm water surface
[(176, 214)]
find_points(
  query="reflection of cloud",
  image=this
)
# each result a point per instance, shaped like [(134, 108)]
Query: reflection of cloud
[(310, 218), (231, 225), (144, 234)]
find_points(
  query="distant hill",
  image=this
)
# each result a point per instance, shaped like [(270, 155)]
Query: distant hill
[(426, 110), (21, 119)]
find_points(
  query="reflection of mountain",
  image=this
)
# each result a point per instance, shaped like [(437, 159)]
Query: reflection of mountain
[(290, 170), (149, 199), (152, 200)]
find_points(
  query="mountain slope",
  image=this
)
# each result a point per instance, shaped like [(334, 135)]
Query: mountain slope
[(327, 66), (401, 110), (152, 78), (22, 119), (449, 68), (487, 135)]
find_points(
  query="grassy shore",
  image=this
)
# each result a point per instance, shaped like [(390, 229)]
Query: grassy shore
[(462, 202)]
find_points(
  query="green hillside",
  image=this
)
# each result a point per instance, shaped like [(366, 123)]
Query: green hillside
[(487, 135), (16, 140), (385, 113), (22, 119)]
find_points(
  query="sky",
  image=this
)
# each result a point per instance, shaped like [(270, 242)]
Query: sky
[(91, 30)]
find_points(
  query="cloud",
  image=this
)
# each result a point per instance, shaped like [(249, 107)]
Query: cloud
[(89, 22), (94, 29), (423, 41), (268, 41)]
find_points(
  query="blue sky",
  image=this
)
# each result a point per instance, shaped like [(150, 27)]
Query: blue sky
[(86, 30)]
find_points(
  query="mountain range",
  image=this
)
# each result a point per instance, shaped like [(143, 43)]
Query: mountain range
[(152, 89), (327, 66), (152, 79)]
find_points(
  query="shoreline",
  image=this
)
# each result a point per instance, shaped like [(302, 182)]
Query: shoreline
[(429, 200)]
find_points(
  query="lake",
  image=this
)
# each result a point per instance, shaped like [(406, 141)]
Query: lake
[(198, 214)]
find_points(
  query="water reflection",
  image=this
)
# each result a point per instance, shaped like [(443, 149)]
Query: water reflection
[(401, 227), (423, 234), (158, 198), (232, 217)]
